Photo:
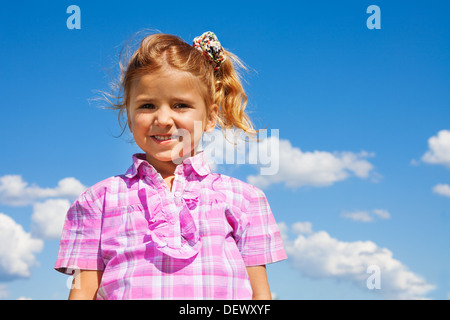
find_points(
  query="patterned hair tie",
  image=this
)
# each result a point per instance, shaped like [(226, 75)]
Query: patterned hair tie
[(210, 46)]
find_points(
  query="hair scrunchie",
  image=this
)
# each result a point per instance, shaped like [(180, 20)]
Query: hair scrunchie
[(211, 48)]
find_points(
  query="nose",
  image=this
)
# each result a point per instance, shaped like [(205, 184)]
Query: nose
[(163, 117)]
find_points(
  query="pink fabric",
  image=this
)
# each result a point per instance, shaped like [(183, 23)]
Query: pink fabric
[(193, 242)]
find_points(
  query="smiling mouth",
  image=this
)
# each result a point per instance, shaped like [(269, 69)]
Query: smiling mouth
[(167, 138)]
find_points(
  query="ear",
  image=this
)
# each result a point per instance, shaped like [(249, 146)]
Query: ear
[(211, 120)]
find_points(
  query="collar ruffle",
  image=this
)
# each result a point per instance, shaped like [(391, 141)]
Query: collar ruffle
[(171, 225)]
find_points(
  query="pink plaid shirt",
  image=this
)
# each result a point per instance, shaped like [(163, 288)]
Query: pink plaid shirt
[(193, 242)]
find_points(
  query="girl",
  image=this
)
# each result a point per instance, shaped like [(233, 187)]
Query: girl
[(169, 228)]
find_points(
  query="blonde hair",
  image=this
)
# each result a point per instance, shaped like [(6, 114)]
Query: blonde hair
[(222, 87)]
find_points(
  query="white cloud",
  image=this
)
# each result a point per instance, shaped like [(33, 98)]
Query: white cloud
[(367, 216), (48, 218), (280, 162), (317, 168), (442, 189), (17, 249), (439, 153), (438, 149), (319, 256), (4, 293), (362, 216), (226, 147), (302, 228), (381, 213), (15, 191)]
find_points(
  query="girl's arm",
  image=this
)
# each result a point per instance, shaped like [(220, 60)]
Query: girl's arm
[(85, 285), (259, 282)]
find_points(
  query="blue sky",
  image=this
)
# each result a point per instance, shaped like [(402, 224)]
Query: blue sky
[(361, 118)]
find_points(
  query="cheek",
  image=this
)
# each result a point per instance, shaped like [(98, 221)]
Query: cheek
[(140, 122), (196, 129)]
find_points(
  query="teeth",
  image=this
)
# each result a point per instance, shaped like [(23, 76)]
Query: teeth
[(163, 138)]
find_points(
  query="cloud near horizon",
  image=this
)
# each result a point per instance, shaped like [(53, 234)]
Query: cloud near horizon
[(48, 218), (317, 255), (18, 249)]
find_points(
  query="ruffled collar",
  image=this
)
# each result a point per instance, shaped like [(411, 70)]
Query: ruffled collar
[(196, 163), (171, 225)]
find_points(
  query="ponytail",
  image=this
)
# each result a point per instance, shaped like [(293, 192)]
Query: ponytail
[(231, 97)]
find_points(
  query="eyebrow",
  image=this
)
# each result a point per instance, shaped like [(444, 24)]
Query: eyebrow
[(143, 98), (147, 98)]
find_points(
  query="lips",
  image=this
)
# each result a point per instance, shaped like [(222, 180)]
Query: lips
[(162, 138)]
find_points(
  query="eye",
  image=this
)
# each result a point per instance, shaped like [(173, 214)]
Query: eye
[(147, 106), (181, 106)]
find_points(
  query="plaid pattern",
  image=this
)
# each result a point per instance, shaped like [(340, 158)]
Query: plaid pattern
[(193, 242)]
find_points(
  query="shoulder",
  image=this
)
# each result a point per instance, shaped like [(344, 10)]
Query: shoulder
[(105, 185), (97, 193)]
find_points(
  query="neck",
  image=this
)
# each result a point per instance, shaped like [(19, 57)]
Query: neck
[(164, 168)]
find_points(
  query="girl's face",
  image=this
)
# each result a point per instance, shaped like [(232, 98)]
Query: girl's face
[(167, 116)]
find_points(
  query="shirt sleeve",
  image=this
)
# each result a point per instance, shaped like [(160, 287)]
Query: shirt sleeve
[(260, 239), (80, 239)]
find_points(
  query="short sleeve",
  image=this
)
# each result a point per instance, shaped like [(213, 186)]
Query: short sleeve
[(80, 240), (260, 239)]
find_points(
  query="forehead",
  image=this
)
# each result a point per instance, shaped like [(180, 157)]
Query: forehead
[(167, 83)]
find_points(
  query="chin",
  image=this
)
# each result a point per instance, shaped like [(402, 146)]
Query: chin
[(174, 156)]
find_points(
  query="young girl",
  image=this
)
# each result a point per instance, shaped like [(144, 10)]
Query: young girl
[(169, 228)]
